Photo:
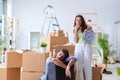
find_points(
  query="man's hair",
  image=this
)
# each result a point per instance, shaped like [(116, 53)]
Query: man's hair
[(66, 52)]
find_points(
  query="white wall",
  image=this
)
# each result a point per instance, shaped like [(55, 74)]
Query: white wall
[(30, 14)]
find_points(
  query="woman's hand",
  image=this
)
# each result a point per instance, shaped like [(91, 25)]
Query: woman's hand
[(76, 28), (67, 72)]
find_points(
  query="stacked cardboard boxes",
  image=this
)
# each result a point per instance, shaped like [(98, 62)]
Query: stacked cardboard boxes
[(55, 38), (28, 65), (33, 65), (10, 70), (9, 73), (13, 59)]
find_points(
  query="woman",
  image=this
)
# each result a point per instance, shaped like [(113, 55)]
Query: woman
[(82, 49)]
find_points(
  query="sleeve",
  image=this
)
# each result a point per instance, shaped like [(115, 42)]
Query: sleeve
[(44, 77), (49, 70), (47, 64), (70, 57)]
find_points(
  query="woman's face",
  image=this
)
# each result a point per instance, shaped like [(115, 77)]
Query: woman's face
[(78, 21), (60, 55)]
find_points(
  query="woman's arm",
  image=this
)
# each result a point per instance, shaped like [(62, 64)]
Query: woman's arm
[(75, 35)]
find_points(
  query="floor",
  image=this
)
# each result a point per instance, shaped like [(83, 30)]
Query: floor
[(114, 75)]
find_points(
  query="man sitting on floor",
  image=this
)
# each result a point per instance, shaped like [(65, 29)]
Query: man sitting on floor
[(62, 55)]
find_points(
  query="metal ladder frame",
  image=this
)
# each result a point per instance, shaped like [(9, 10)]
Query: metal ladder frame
[(49, 17)]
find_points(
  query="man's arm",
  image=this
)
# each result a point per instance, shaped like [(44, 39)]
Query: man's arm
[(71, 62), (57, 62)]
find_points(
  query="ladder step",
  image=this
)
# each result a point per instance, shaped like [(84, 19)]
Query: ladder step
[(55, 24), (52, 17)]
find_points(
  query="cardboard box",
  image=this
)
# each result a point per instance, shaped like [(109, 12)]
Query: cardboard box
[(59, 33), (70, 48), (13, 59), (59, 40), (96, 73), (104, 66), (9, 73), (30, 75), (52, 33), (52, 41), (34, 61)]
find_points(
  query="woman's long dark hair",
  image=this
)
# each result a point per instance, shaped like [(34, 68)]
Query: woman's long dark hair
[(83, 23)]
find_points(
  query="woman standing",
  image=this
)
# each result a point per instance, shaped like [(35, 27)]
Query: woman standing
[(82, 49)]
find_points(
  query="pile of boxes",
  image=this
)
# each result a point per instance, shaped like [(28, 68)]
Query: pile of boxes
[(10, 70), (28, 65), (55, 38), (33, 65)]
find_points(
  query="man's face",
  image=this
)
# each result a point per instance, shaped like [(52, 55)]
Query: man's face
[(60, 55)]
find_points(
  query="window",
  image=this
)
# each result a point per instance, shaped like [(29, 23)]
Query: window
[(34, 40)]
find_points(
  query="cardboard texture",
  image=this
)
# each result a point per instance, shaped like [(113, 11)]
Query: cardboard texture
[(104, 66), (30, 75), (70, 48), (34, 61), (96, 73), (9, 73), (13, 59), (53, 41), (59, 33), (52, 33)]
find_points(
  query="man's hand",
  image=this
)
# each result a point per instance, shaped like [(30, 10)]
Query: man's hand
[(67, 72)]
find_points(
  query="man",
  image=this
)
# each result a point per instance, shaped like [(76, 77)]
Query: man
[(62, 55)]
